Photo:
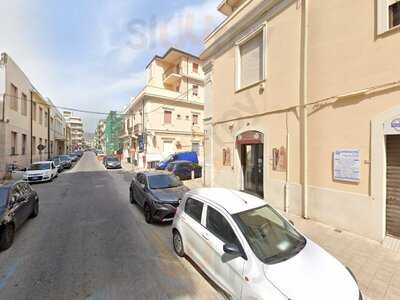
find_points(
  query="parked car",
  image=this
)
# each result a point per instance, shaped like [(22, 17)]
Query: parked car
[(58, 163), (41, 171), (74, 157), (66, 161), (18, 202), (185, 155), (252, 252), (112, 163), (183, 169), (158, 193)]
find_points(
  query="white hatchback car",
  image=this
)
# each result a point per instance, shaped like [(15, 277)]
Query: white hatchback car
[(41, 171), (252, 252)]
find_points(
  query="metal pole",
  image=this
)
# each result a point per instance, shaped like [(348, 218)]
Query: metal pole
[(31, 127), (48, 133)]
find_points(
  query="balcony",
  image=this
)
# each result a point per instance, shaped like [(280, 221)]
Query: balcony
[(172, 75)]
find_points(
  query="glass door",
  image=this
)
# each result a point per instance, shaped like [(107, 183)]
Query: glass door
[(253, 171)]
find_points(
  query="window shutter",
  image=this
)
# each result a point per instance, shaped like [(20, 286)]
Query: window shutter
[(167, 117), (382, 15), (251, 60)]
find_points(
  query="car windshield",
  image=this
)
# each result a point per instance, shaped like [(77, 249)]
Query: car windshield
[(64, 158), (163, 181), (270, 236), (37, 167), (112, 159)]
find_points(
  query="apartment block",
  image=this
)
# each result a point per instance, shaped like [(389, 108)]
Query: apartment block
[(25, 121), (304, 111), (76, 125), (167, 114)]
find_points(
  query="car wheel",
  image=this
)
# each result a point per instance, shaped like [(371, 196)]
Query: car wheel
[(178, 243), (147, 214), (7, 236), (35, 210)]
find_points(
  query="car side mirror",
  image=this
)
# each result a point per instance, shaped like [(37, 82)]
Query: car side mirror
[(232, 249)]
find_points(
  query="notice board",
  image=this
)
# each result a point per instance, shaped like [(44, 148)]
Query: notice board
[(346, 165)]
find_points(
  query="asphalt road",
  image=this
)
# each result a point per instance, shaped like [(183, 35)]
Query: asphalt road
[(89, 242)]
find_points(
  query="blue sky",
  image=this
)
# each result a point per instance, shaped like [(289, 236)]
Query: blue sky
[(91, 54)]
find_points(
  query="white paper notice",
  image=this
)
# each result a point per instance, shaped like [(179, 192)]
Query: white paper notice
[(346, 165)]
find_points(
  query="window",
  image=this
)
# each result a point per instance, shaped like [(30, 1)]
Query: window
[(195, 68), (196, 147), (24, 105), (40, 115), (194, 209), (219, 226), (33, 145), (250, 60), (34, 111), (195, 90), (167, 117), (46, 119), (394, 14), (13, 143), (23, 148), (40, 141), (14, 98), (195, 119)]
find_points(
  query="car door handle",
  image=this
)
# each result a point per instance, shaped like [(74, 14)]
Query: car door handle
[(205, 236)]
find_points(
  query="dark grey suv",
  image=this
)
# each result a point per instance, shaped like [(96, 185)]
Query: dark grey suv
[(158, 193)]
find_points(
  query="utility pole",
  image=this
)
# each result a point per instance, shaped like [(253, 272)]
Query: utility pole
[(31, 127), (48, 133)]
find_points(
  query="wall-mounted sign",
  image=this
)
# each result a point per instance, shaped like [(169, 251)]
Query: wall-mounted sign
[(250, 137), (226, 157), (395, 124), (392, 126), (279, 159), (141, 143), (41, 147), (346, 165)]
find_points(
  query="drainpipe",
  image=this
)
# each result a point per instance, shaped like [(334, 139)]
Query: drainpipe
[(187, 78), (4, 108), (303, 107), (48, 133), (31, 127), (286, 208)]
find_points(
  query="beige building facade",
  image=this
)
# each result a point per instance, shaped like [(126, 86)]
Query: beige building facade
[(166, 116), (76, 126), (304, 109), (24, 118)]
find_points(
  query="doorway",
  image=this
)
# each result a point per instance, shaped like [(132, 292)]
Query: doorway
[(393, 185), (251, 147)]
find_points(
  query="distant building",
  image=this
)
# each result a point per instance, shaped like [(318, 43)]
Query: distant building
[(167, 115), (77, 131), (26, 124), (99, 136), (113, 127)]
